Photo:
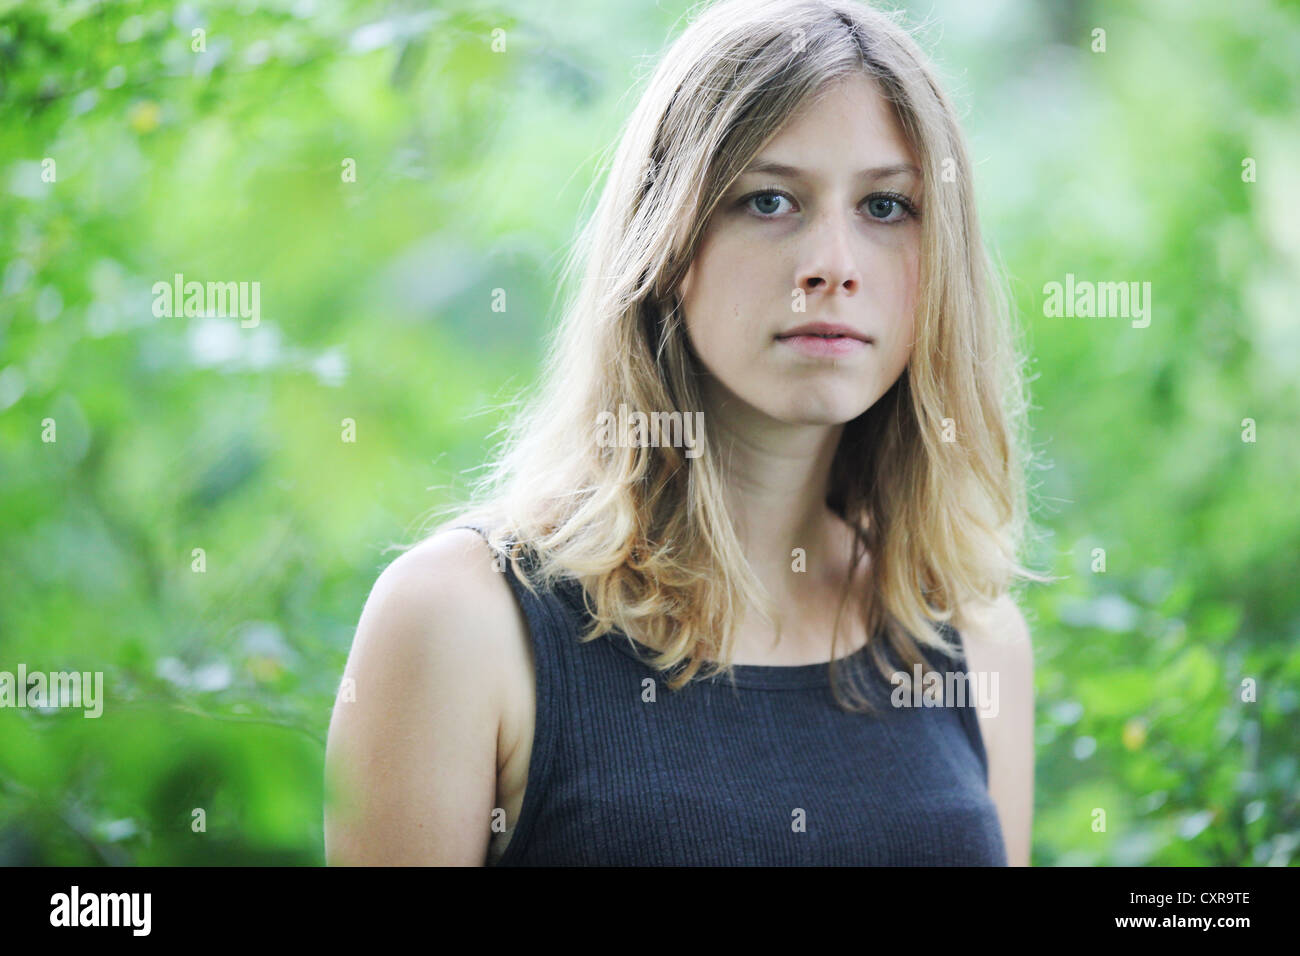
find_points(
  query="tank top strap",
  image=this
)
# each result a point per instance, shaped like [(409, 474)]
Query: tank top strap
[(551, 627), (539, 604), (968, 710)]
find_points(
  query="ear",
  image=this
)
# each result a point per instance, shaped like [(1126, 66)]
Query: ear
[(685, 288)]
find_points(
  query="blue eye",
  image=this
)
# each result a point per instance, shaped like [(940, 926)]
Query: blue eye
[(892, 202), (887, 208), (767, 197)]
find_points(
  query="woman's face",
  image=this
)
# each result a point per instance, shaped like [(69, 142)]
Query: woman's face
[(826, 234)]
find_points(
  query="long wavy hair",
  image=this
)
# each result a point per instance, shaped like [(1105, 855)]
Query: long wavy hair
[(644, 529)]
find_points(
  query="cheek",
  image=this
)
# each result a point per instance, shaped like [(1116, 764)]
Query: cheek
[(908, 271), (715, 293)]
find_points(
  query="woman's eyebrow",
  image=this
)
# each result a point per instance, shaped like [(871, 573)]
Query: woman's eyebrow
[(794, 172)]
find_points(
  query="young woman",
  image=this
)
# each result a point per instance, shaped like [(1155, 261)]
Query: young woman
[(774, 462)]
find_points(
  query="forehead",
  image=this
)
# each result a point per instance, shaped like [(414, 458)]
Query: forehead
[(848, 123)]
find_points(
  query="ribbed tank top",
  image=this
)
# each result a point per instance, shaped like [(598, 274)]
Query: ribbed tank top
[(762, 770)]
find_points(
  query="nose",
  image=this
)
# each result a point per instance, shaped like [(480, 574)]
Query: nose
[(829, 266)]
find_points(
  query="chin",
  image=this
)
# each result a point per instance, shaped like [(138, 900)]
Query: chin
[(819, 413)]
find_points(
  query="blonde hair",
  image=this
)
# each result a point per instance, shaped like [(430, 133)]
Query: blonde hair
[(645, 529)]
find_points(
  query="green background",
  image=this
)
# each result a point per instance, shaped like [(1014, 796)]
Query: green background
[(472, 170)]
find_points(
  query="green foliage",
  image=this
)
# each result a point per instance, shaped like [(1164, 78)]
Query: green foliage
[(177, 433)]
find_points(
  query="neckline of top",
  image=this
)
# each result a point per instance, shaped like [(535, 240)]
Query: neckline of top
[(757, 676)]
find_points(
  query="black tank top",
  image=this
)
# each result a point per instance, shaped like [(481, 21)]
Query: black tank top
[(764, 770)]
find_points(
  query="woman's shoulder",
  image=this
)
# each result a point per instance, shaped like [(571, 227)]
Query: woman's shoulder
[(450, 582), (994, 636), (416, 731), (444, 604), (999, 655), (993, 628)]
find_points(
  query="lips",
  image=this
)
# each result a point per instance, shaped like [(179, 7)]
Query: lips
[(827, 342), (826, 330)]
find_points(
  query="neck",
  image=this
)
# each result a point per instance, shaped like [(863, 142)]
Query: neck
[(776, 477)]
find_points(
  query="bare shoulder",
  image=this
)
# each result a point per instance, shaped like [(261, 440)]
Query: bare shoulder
[(451, 574), (442, 602), (996, 640), (411, 757), (997, 644), (1000, 624)]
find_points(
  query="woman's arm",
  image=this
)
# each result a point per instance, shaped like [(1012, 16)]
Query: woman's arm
[(997, 641), (411, 763)]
